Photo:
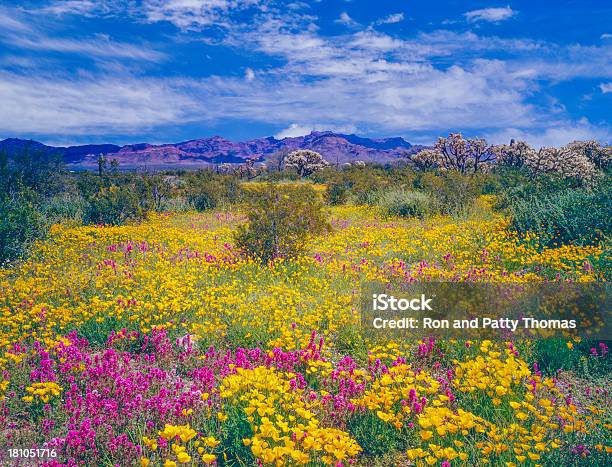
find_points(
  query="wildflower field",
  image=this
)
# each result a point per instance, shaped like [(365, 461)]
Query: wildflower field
[(157, 343)]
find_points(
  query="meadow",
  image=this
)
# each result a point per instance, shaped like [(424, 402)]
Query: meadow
[(160, 342)]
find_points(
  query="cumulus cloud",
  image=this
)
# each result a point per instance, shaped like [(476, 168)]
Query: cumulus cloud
[(492, 15), (425, 84), (296, 129), (187, 14), (391, 19), (559, 134), (346, 19), (606, 87), (90, 105)]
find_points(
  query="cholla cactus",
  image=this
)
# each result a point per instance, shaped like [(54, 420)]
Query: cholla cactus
[(358, 164), (600, 156), (464, 155), (426, 159), (305, 161), (513, 155), (564, 161)]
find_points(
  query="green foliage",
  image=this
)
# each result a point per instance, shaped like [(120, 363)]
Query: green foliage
[(376, 436), (22, 224), (69, 207), (114, 205), (280, 219), (587, 358), (405, 203), (453, 193), (207, 190), (337, 193), (580, 216)]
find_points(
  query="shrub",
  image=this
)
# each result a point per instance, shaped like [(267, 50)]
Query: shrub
[(578, 216), (337, 194), (68, 207), (452, 192), (206, 190), (279, 221), (114, 205), (404, 203), (22, 224)]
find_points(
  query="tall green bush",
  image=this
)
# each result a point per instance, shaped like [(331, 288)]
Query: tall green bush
[(453, 193), (580, 216), (280, 219), (114, 205), (404, 203), (21, 224)]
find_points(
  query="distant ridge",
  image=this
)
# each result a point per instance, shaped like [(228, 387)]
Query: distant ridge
[(335, 147)]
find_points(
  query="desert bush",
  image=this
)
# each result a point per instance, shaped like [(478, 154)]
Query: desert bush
[(207, 190), (580, 216), (69, 207), (337, 193), (452, 192), (22, 224), (405, 203), (280, 219), (114, 205)]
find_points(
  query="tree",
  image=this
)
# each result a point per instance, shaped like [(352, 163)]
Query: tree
[(305, 162), (464, 155)]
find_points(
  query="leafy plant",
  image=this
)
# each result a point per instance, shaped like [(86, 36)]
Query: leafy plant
[(279, 221), (405, 203)]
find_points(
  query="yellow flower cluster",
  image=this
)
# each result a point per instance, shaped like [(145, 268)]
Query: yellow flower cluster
[(284, 420), (43, 391), (181, 453), (386, 393)]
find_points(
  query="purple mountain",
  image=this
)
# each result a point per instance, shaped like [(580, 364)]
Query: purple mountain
[(335, 148)]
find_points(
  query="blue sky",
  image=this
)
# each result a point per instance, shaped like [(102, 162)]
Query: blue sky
[(81, 71)]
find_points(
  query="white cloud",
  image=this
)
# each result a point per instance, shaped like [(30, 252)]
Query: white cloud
[(85, 7), (99, 46), (187, 14), (558, 133), (90, 105), (428, 84), (29, 33), (9, 21), (606, 36), (296, 129), (606, 87), (346, 20), (490, 14), (391, 19)]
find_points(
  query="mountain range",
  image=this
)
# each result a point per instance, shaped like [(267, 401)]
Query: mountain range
[(336, 148)]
